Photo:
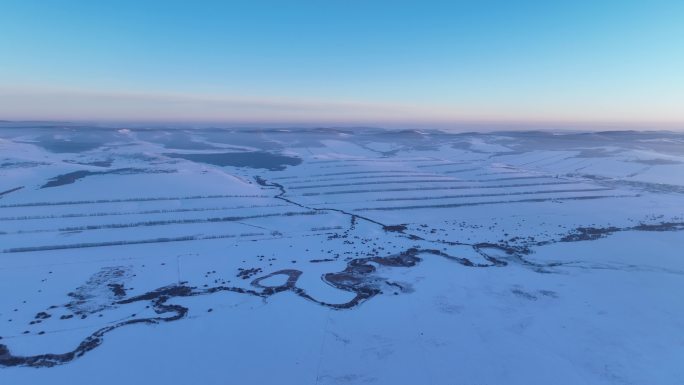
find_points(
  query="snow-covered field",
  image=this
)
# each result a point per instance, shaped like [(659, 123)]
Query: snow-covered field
[(340, 256)]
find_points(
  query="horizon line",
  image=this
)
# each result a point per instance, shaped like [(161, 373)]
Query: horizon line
[(462, 126)]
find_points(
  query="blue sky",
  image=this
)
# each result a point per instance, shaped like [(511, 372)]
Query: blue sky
[(334, 62)]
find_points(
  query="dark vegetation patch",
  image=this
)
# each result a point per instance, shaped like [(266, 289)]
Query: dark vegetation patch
[(248, 273), (118, 289), (461, 170), (344, 192), (442, 164), (150, 199), (11, 190), (594, 233), (647, 186), (96, 163), (326, 228), (254, 159), (394, 228), (377, 182), (338, 179), (67, 146), (23, 164), (143, 212), (97, 293), (532, 200), (322, 260), (588, 234), (127, 242), (523, 294), (174, 222), (423, 198), (69, 178), (42, 315), (364, 172)]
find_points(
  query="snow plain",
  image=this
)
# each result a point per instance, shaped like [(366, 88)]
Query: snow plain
[(340, 256)]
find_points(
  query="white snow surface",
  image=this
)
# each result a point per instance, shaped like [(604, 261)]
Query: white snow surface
[(329, 256)]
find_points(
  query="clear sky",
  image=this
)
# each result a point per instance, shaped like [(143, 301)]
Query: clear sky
[(344, 62)]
